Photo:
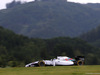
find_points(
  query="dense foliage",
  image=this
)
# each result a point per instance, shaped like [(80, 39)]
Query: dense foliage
[(17, 50), (50, 18), (92, 36)]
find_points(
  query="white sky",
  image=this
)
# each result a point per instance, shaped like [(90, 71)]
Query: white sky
[(85, 1), (3, 2)]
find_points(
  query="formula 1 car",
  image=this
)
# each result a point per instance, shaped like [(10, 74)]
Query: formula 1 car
[(60, 61)]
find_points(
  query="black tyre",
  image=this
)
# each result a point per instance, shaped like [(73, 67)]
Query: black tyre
[(80, 63), (41, 63)]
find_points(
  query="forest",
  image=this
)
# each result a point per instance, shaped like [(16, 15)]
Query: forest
[(46, 29), (17, 50)]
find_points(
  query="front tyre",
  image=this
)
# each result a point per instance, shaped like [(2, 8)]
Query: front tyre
[(41, 63)]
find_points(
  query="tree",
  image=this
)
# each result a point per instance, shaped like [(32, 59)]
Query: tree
[(13, 4)]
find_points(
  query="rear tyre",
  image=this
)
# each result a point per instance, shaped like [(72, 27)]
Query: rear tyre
[(80, 63), (41, 63)]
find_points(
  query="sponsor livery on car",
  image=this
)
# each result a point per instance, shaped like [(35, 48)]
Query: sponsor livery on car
[(60, 61)]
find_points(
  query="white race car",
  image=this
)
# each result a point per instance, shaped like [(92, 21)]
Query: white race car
[(60, 61)]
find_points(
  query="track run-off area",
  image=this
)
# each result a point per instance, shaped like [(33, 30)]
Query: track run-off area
[(51, 70)]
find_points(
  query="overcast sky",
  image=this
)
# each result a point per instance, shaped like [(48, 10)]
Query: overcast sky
[(3, 2)]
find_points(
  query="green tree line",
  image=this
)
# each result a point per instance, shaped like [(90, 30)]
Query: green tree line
[(18, 50)]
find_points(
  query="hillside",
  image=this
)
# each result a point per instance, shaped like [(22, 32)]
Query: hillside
[(95, 6), (92, 36), (17, 50), (47, 19)]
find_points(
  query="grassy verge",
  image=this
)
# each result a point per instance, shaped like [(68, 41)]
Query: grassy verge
[(58, 70)]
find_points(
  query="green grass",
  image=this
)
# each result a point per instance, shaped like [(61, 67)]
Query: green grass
[(58, 70)]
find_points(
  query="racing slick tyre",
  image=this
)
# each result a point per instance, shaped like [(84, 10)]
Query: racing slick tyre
[(80, 62), (41, 63)]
